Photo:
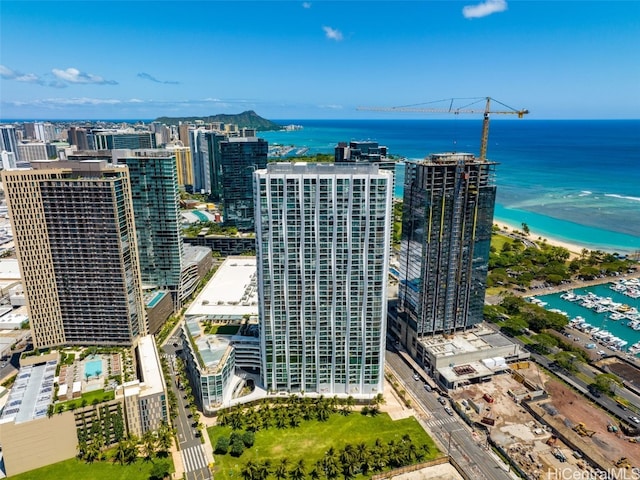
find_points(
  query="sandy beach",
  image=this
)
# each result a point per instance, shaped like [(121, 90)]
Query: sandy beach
[(536, 237)]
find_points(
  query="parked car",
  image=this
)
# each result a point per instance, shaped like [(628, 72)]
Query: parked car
[(427, 387), (416, 376)]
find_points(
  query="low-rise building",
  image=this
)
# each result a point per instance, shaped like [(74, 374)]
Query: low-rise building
[(220, 333), (32, 435), (145, 399), (467, 357)]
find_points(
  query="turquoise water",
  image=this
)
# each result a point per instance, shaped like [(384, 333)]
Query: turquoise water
[(93, 368), (600, 320), (578, 180), (156, 298)]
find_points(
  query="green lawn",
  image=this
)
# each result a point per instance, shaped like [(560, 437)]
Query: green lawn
[(313, 438), (78, 469), (99, 395), (498, 241), (223, 329)]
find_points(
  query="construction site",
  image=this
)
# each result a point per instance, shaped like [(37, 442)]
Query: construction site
[(544, 427)]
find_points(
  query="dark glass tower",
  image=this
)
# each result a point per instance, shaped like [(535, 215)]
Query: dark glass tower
[(446, 234), (239, 158)]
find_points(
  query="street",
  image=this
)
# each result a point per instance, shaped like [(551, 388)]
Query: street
[(190, 446), (469, 449)]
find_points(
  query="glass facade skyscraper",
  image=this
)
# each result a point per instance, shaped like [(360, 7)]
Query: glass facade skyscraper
[(154, 189), (322, 240), (446, 234), (239, 158)]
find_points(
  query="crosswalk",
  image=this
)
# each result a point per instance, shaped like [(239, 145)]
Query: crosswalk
[(437, 422), (193, 458)]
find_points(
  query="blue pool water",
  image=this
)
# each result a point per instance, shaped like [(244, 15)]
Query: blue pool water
[(156, 298), (618, 328), (93, 368)]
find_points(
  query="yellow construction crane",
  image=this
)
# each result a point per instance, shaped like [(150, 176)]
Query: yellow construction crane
[(459, 110)]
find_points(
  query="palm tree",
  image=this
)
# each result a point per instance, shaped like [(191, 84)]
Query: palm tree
[(299, 472), (281, 469), (120, 454), (323, 410), (92, 453), (330, 463), (263, 470), (281, 418), (249, 471), (165, 437), (294, 419), (349, 461), (149, 444), (131, 452), (222, 417)]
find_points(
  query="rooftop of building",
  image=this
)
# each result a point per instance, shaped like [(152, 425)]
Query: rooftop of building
[(31, 393), (149, 367), (479, 339), (322, 168), (468, 371), (244, 139), (194, 254), (9, 269), (212, 349), (451, 158), (231, 294)]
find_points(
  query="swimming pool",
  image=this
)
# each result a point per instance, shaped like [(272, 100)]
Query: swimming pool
[(93, 368)]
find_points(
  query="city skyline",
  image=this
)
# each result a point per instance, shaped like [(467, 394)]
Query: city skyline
[(289, 60)]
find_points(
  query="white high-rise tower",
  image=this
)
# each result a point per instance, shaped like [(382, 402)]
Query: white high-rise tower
[(322, 239)]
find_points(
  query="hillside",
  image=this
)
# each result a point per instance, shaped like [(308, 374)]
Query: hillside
[(248, 119)]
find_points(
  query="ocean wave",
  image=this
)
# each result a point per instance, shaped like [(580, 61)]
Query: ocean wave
[(584, 193), (625, 197)]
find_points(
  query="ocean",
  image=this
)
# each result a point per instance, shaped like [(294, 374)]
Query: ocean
[(573, 180)]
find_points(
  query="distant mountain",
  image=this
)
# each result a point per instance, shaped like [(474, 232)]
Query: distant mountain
[(249, 119)]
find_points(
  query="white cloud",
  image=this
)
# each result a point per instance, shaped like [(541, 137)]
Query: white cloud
[(28, 77), (484, 9), (63, 102), (6, 72), (332, 33), (73, 75), (306, 4), (9, 74)]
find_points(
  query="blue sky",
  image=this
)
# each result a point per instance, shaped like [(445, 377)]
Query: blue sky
[(315, 59)]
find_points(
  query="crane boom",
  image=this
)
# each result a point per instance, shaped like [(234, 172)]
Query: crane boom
[(456, 111)]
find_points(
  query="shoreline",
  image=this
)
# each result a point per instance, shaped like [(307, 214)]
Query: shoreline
[(574, 248)]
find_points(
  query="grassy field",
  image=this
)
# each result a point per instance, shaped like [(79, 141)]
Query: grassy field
[(78, 469), (498, 241), (313, 438)]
